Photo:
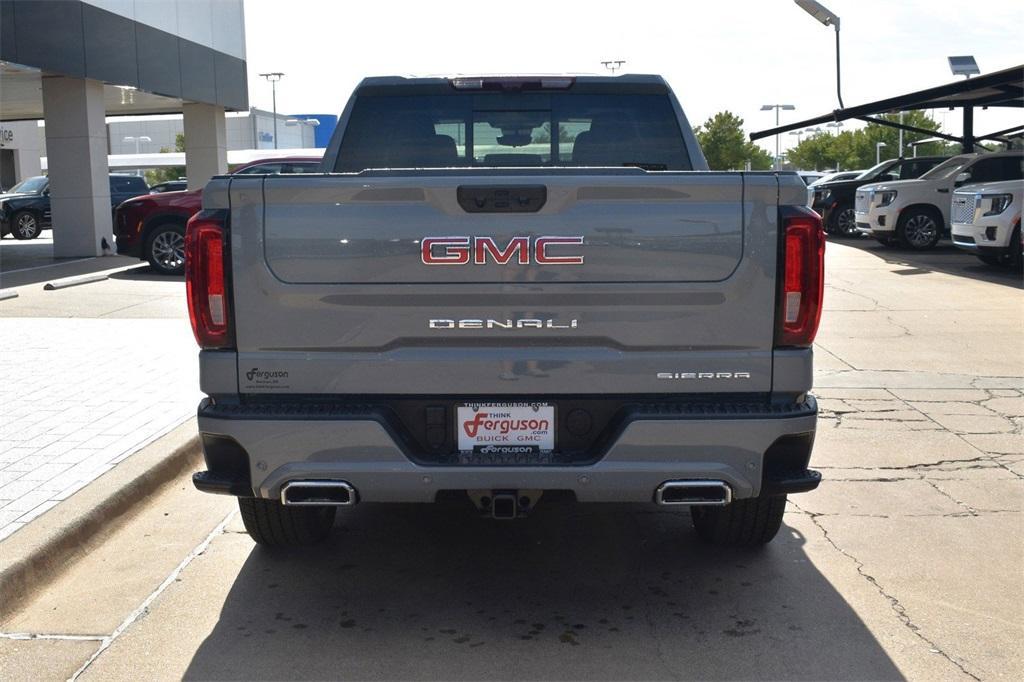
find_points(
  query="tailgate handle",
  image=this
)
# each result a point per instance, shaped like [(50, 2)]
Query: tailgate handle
[(502, 198)]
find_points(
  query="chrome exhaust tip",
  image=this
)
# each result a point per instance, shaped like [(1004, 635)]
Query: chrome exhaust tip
[(318, 494), (694, 493)]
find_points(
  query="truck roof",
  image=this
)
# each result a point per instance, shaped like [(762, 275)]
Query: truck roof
[(649, 83)]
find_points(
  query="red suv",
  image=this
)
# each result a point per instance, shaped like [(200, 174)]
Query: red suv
[(152, 227)]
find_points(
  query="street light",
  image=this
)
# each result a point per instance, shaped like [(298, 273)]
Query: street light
[(613, 65), (273, 77), (777, 107), (137, 140), (878, 152), (835, 124), (819, 12)]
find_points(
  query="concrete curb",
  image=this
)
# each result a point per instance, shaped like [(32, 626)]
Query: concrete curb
[(75, 281), (33, 556)]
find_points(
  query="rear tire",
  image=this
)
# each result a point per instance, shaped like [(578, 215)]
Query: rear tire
[(272, 524), (743, 523)]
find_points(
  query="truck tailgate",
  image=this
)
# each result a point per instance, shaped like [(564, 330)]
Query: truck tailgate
[(675, 292)]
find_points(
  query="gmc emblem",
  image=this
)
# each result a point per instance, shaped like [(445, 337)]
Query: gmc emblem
[(477, 250)]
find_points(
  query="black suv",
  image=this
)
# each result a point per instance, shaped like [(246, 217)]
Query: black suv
[(834, 200), (25, 208)]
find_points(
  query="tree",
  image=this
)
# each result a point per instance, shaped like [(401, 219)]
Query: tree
[(814, 152), (759, 159), (722, 139), (157, 175), (726, 146), (856, 148)]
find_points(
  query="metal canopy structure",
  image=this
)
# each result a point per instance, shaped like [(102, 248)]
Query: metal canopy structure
[(998, 89)]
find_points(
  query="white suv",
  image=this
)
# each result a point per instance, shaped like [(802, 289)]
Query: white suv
[(986, 221), (915, 213)]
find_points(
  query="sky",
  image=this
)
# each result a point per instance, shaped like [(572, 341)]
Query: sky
[(721, 55)]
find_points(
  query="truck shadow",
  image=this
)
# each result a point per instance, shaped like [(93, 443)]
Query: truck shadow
[(610, 592), (944, 258)]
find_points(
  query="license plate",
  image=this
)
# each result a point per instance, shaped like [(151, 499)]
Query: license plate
[(506, 428)]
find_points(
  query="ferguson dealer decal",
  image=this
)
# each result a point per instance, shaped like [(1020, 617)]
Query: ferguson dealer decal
[(508, 428)]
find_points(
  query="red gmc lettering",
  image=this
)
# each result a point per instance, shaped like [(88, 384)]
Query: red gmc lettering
[(519, 247), (458, 250), (541, 255), (455, 251)]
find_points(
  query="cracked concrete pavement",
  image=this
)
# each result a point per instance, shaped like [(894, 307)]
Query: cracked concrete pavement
[(905, 564)]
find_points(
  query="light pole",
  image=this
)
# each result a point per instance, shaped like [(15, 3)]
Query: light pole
[(137, 140), (835, 124), (777, 107), (799, 136), (819, 12), (273, 77), (878, 152), (613, 65)]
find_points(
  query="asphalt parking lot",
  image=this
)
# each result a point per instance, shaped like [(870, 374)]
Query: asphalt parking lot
[(905, 563)]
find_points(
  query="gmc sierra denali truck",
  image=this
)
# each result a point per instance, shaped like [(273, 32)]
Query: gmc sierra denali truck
[(501, 288)]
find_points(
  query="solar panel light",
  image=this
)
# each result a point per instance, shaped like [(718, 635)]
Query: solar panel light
[(964, 65), (819, 12)]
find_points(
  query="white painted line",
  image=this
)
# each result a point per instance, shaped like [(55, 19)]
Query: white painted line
[(75, 281), (8, 293), (51, 265)]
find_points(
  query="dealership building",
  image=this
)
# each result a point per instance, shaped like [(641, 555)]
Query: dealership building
[(73, 63)]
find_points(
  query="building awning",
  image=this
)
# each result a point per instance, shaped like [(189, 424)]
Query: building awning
[(998, 89)]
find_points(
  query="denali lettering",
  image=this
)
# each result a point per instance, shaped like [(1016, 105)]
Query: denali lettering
[(501, 324), (703, 375), (463, 250)]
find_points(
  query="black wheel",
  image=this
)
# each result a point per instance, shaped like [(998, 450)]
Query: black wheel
[(270, 523), (25, 225), (742, 523), (919, 229), (165, 249), (843, 221)]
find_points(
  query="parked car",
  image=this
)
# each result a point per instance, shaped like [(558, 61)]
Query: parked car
[(152, 227), (834, 177), (169, 186), (834, 199), (986, 221), (915, 213), (25, 209), (433, 317), (810, 177)]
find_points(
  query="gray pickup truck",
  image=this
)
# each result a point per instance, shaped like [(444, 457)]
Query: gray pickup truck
[(500, 288)]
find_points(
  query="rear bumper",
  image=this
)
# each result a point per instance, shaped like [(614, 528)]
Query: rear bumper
[(754, 452)]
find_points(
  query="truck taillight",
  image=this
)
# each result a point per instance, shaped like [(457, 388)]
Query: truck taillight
[(206, 279), (803, 277)]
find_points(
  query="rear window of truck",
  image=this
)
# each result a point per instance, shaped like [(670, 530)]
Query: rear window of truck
[(461, 130)]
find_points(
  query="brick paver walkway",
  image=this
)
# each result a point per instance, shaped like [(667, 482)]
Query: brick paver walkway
[(77, 396)]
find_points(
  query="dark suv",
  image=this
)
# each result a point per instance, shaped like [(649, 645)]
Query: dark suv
[(834, 200), (25, 208)]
